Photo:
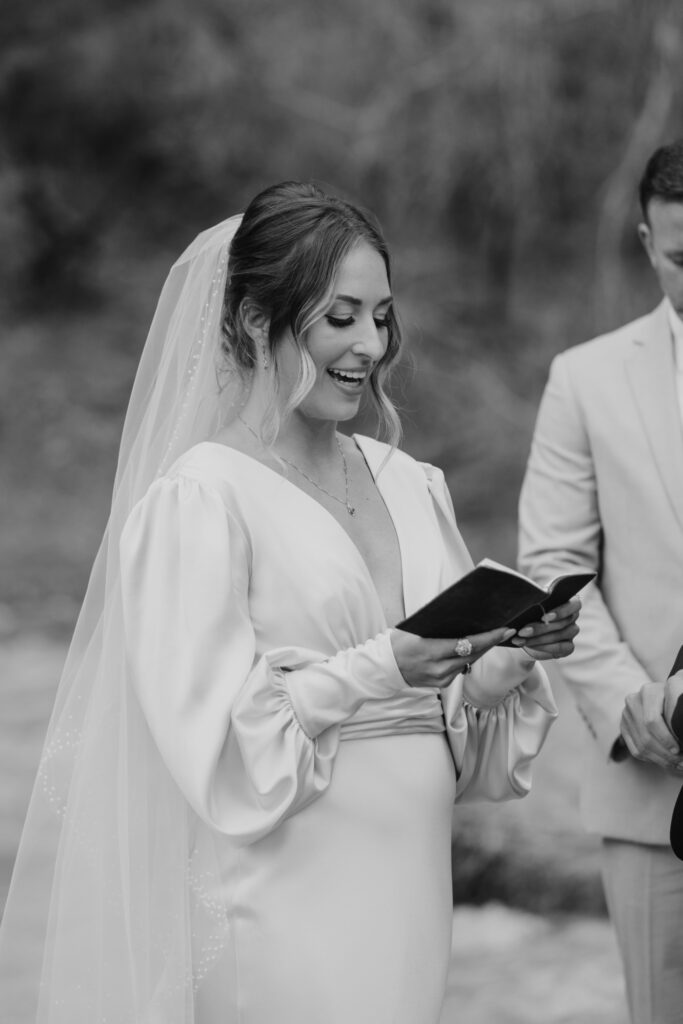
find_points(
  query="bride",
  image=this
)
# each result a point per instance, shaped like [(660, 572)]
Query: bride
[(243, 808)]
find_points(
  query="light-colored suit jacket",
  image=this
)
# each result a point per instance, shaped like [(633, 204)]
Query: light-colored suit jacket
[(604, 489)]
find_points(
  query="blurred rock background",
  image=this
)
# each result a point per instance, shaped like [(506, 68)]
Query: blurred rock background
[(499, 141)]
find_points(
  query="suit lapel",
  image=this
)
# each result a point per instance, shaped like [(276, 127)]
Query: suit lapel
[(652, 376)]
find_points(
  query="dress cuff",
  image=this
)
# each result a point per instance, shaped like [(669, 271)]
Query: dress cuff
[(327, 693), (494, 677), (480, 705)]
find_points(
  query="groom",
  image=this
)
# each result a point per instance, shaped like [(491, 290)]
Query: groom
[(604, 490)]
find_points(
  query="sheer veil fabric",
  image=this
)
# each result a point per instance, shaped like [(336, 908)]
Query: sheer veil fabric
[(107, 918)]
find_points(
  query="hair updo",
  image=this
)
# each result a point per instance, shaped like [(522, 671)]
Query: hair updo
[(284, 259)]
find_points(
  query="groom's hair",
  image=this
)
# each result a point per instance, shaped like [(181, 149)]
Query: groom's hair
[(663, 177)]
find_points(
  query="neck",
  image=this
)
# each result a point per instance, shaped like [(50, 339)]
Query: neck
[(300, 437)]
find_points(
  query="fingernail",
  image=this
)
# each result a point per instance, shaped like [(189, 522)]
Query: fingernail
[(508, 633), (549, 617), (527, 631)]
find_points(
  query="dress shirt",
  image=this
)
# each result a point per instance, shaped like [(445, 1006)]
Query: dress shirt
[(676, 325)]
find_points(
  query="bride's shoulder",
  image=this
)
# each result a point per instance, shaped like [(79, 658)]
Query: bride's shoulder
[(209, 481), (207, 458), (213, 463)]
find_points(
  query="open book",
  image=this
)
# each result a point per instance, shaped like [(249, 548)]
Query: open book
[(491, 596)]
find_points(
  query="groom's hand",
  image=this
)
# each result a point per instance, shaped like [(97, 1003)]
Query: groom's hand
[(645, 729)]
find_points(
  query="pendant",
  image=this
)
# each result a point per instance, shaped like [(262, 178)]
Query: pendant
[(351, 510)]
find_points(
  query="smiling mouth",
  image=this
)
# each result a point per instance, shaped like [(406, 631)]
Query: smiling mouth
[(353, 377)]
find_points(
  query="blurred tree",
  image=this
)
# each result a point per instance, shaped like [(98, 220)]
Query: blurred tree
[(500, 143), (646, 133)]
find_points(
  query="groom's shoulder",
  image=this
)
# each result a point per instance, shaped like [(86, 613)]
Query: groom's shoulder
[(610, 346)]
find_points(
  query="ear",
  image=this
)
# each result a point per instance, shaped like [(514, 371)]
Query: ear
[(256, 323), (645, 235)]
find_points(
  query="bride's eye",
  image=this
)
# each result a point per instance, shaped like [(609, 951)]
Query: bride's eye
[(339, 321), (382, 322)]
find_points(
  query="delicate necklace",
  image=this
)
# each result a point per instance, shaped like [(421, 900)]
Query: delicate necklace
[(342, 501)]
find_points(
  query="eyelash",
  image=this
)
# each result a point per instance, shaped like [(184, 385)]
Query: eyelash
[(341, 322)]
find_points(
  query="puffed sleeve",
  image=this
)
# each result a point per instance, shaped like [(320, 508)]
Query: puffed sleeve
[(248, 741), (497, 725)]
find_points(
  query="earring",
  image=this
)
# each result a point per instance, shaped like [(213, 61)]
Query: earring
[(264, 353)]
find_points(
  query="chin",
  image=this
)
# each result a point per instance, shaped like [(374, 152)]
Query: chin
[(335, 411), (347, 413)]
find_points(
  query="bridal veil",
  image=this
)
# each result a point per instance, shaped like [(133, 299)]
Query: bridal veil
[(107, 918)]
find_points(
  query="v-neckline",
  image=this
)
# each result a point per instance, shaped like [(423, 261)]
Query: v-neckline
[(328, 515)]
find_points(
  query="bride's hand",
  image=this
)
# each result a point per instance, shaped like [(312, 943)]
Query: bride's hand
[(424, 662), (553, 637)]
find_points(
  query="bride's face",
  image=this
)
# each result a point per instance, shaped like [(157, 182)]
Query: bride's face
[(346, 342)]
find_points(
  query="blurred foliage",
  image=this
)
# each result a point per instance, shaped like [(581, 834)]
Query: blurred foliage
[(523, 871), (499, 142)]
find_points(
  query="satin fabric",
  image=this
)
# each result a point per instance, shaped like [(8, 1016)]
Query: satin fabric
[(258, 649)]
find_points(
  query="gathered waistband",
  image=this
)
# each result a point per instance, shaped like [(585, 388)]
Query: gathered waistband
[(415, 711)]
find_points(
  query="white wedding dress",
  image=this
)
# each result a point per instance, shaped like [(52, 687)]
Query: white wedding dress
[(259, 651)]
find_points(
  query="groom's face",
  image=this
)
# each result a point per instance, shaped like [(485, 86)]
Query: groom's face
[(662, 236)]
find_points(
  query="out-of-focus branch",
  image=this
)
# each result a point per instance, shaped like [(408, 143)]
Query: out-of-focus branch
[(647, 132), (428, 74), (365, 126)]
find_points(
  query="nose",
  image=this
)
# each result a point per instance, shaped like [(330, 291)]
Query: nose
[(370, 341)]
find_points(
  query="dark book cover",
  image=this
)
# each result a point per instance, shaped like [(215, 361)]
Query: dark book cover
[(488, 597)]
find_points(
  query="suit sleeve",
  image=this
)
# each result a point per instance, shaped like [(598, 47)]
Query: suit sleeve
[(559, 530)]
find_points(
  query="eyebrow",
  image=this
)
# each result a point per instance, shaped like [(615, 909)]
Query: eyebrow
[(359, 302)]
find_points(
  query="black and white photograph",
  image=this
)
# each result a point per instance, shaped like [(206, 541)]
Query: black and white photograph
[(341, 512)]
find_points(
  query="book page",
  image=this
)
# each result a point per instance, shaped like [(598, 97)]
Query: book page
[(490, 563)]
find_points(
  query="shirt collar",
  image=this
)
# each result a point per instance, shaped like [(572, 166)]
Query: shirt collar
[(676, 325)]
